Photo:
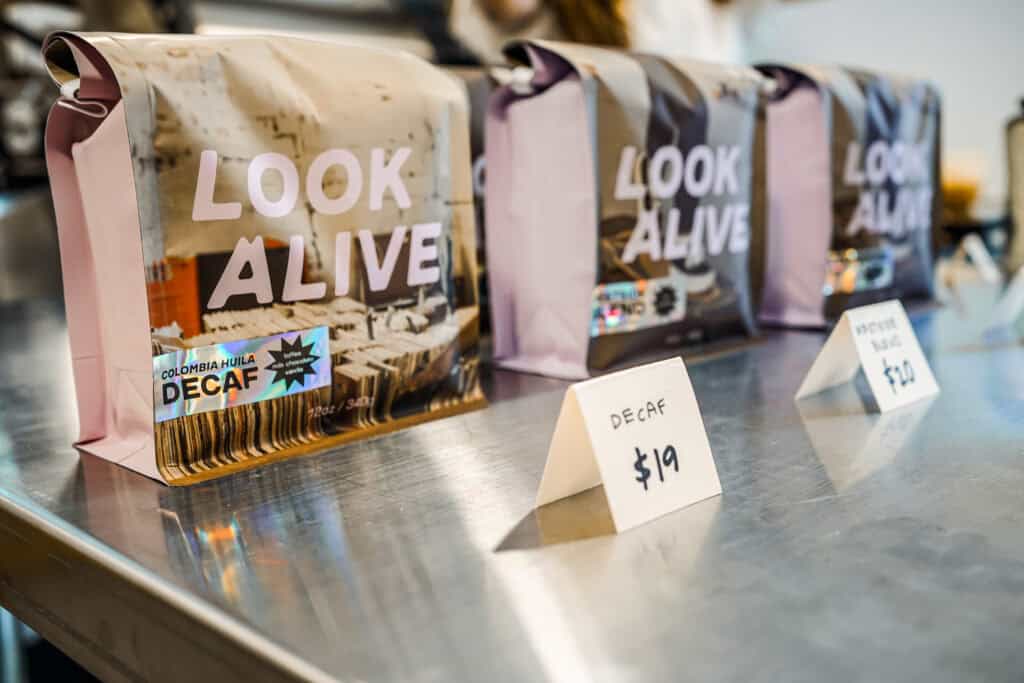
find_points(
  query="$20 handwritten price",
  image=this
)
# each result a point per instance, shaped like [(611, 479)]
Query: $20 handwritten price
[(898, 375), (664, 460)]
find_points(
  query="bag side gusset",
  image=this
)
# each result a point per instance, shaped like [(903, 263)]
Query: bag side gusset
[(542, 245), (95, 200), (798, 189)]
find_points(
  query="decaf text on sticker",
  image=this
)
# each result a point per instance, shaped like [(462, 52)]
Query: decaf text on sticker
[(235, 373)]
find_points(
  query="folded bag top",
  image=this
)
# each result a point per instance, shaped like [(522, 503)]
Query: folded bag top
[(622, 209), (268, 245)]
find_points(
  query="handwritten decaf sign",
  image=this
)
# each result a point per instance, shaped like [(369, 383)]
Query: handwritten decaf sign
[(640, 433), (880, 339)]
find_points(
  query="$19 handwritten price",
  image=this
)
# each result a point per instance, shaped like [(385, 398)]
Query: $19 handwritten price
[(898, 375), (664, 460)]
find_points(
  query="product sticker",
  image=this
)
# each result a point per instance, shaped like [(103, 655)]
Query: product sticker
[(638, 304), (859, 270), (235, 373)]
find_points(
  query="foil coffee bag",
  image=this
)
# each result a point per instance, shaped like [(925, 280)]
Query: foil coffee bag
[(622, 214), (853, 191), (267, 246)]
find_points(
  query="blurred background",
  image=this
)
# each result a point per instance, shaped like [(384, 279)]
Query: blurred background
[(971, 50)]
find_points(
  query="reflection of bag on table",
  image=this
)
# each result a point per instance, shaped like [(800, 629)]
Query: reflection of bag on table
[(622, 215)]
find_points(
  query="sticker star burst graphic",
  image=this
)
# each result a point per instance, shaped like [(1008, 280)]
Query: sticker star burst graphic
[(665, 300), (293, 362)]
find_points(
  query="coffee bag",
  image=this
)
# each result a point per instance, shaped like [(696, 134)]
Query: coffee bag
[(621, 208), (267, 245), (853, 188)]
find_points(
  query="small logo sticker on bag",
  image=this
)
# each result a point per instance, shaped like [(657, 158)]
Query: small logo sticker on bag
[(637, 304), (235, 373)]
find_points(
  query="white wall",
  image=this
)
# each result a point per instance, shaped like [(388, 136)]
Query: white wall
[(972, 49)]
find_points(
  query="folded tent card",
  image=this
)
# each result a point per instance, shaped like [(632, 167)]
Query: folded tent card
[(880, 340), (639, 432), (267, 245), (622, 208), (1009, 309), (853, 162)]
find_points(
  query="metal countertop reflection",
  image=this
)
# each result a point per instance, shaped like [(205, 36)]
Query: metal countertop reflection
[(847, 545)]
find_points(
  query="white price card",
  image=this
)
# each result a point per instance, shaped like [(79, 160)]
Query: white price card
[(1010, 306), (880, 339), (640, 433), (983, 262)]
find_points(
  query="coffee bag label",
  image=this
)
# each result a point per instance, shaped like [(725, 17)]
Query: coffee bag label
[(235, 373), (885, 160), (895, 181), (702, 172), (677, 159), (629, 306)]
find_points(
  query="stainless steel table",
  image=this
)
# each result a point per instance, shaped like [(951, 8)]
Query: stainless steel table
[(847, 546)]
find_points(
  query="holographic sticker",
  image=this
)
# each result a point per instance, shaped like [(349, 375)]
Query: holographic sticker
[(859, 270), (637, 304), (235, 373)]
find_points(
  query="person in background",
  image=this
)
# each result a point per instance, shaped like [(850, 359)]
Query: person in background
[(26, 91), (138, 16), (701, 29)]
